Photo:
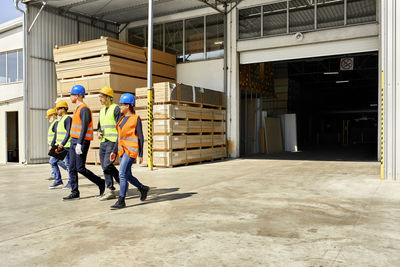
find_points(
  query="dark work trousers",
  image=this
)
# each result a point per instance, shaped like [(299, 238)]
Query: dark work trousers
[(106, 148), (77, 164)]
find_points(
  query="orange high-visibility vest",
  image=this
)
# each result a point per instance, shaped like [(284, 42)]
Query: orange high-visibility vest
[(76, 125), (128, 141)]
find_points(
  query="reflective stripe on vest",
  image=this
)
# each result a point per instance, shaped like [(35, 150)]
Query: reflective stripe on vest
[(108, 123), (62, 132), (50, 133), (76, 124), (128, 139)]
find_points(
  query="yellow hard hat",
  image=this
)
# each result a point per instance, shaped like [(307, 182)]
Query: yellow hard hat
[(50, 112), (107, 90), (61, 104)]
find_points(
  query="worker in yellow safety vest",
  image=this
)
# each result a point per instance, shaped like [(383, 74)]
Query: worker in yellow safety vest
[(62, 140), (107, 133), (51, 115), (129, 147)]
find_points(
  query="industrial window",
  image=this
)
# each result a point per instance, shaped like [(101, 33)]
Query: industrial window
[(330, 13), (20, 65), (275, 19), (158, 37), (137, 36), (301, 15), (174, 39), (194, 39), (361, 11), (3, 68), (304, 15), (250, 22), (215, 36), (11, 66)]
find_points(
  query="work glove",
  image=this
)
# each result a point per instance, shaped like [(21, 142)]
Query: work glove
[(78, 149)]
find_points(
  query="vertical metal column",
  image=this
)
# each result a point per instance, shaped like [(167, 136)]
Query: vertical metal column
[(150, 85)]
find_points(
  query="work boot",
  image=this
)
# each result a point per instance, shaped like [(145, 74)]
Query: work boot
[(119, 204), (109, 195), (71, 197), (102, 188), (56, 185), (143, 192)]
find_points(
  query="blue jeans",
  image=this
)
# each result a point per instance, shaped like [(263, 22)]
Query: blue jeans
[(61, 164), (54, 162), (125, 174)]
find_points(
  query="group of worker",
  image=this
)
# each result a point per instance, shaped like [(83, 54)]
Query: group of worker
[(120, 133)]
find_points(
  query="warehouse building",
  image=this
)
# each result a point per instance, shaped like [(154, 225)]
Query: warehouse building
[(326, 61)]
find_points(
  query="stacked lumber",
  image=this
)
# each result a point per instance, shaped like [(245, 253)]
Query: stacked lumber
[(106, 62), (189, 124)]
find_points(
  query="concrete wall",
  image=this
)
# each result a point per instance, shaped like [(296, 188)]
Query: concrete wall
[(9, 107), (207, 74)]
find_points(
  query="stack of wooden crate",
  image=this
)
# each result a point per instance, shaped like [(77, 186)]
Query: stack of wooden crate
[(106, 62), (189, 124)]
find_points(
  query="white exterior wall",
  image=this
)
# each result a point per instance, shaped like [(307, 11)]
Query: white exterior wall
[(207, 74), (9, 107), (11, 95)]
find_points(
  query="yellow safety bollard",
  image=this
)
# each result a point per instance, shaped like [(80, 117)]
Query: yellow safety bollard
[(382, 126), (150, 128)]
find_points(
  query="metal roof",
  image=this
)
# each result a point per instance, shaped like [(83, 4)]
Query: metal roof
[(124, 11)]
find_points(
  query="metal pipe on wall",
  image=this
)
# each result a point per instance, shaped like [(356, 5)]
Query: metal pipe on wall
[(25, 82)]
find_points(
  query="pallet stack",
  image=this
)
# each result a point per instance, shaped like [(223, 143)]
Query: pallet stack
[(189, 124), (106, 62)]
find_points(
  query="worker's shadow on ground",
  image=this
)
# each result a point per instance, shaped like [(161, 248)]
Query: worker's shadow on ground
[(157, 195)]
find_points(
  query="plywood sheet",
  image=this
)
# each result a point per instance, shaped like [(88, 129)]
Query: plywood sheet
[(169, 158), (219, 139), (102, 46), (167, 142), (170, 126), (162, 57), (93, 84), (273, 135), (193, 141)]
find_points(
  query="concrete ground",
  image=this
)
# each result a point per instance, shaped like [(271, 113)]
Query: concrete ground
[(245, 212)]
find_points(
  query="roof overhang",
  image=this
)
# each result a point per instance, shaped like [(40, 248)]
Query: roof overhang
[(125, 11)]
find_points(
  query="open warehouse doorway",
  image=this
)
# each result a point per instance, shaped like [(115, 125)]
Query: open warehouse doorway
[(333, 101), (12, 137)]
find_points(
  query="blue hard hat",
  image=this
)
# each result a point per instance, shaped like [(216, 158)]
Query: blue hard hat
[(127, 99), (78, 90)]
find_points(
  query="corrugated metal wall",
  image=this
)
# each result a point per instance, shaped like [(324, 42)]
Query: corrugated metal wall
[(48, 31)]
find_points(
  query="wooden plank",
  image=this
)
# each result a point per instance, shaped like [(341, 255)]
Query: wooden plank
[(95, 117), (165, 92), (193, 155), (218, 139), (193, 141), (96, 141), (93, 84), (168, 159), (212, 97), (102, 46), (145, 129), (219, 126), (219, 114), (141, 103), (206, 140), (169, 126), (207, 114), (190, 93), (193, 112), (194, 126), (92, 101), (207, 126), (142, 113), (219, 152), (169, 111), (104, 64), (167, 142), (162, 57), (273, 135), (207, 153), (93, 156)]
